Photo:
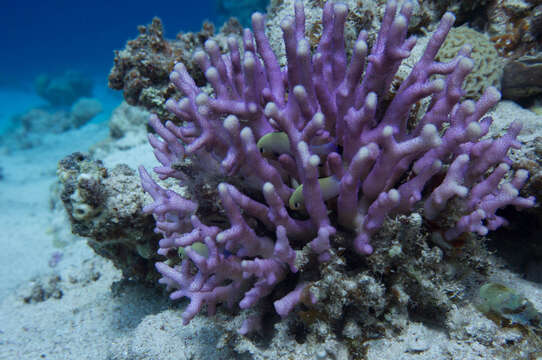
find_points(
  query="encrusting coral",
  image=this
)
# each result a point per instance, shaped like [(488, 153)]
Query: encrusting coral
[(488, 66), (351, 156)]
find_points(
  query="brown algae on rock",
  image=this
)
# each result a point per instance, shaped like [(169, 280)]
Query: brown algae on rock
[(498, 301)]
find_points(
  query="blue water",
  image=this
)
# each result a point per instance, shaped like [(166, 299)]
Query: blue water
[(51, 36), (54, 36)]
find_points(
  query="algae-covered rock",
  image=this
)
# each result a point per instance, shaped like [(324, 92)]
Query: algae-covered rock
[(504, 303), (522, 78), (105, 206)]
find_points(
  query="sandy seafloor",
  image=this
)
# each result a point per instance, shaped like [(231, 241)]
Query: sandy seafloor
[(90, 312)]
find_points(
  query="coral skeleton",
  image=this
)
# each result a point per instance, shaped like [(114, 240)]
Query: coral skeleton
[(319, 146)]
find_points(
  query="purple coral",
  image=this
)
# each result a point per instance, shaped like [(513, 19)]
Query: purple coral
[(382, 162)]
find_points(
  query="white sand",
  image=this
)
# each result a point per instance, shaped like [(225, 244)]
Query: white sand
[(25, 214), (98, 316)]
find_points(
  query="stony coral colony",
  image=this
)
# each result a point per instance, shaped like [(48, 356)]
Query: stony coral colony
[(292, 158)]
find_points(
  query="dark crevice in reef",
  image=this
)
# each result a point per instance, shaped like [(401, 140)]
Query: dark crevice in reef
[(518, 244)]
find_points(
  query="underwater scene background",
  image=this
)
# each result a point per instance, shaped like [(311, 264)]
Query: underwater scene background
[(356, 179), (51, 38)]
